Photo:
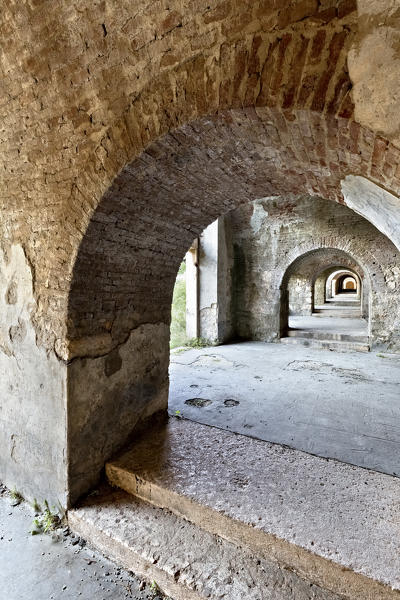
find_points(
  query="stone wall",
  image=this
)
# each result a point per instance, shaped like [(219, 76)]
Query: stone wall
[(300, 295), (277, 238)]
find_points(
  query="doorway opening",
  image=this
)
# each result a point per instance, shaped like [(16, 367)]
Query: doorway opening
[(315, 307)]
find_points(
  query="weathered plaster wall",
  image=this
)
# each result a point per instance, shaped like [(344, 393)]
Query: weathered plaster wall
[(136, 374), (32, 390), (374, 66), (272, 235), (376, 204)]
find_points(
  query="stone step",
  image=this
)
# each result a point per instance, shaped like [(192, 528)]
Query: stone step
[(338, 314), (186, 562), (354, 303), (326, 344), (326, 335), (332, 524)]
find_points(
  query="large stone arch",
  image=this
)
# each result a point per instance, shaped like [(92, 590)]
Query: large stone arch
[(102, 144), (123, 277)]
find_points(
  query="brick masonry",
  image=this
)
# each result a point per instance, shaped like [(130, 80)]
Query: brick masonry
[(124, 132)]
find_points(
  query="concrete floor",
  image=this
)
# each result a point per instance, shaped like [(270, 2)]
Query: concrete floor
[(42, 568), (339, 405)]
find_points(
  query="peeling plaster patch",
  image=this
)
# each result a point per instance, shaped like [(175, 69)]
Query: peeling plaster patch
[(374, 203), (17, 333), (32, 438), (13, 446), (374, 69), (91, 347), (258, 216), (11, 293), (112, 363)]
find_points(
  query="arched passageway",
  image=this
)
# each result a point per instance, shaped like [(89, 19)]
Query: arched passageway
[(306, 311), (120, 298), (283, 392), (124, 136), (334, 285), (157, 152)]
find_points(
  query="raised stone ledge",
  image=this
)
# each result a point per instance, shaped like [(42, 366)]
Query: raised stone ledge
[(334, 524)]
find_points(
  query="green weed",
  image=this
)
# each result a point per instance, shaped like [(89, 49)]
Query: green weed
[(47, 521)]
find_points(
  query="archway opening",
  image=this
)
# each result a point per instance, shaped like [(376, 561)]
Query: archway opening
[(314, 305), (117, 341), (347, 285), (267, 281)]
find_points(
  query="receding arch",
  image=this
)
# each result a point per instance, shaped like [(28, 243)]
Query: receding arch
[(319, 262), (331, 281)]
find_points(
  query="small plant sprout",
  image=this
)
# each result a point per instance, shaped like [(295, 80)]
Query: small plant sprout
[(178, 414), (154, 588), (199, 343), (47, 521), (16, 496), (36, 506)]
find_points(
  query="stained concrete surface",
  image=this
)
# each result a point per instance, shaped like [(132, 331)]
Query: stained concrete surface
[(39, 568), (339, 405)]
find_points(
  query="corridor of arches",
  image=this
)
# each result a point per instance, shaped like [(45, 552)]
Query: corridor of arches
[(275, 310)]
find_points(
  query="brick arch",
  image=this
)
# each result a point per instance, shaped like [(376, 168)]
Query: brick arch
[(348, 252), (123, 277), (161, 201), (124, 88), (212, 131), (111, 121), (104, 95), (313, 260)]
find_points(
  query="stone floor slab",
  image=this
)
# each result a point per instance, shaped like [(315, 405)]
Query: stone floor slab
[(338, 405)]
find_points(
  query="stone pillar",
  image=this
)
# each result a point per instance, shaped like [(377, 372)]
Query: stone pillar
[(319, 291), (208, 284), (300, 295), (192, 291)]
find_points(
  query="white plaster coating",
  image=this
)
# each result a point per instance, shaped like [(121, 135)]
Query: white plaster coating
[(374, 68), (345, 514), (375, 204), (32, 414)]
